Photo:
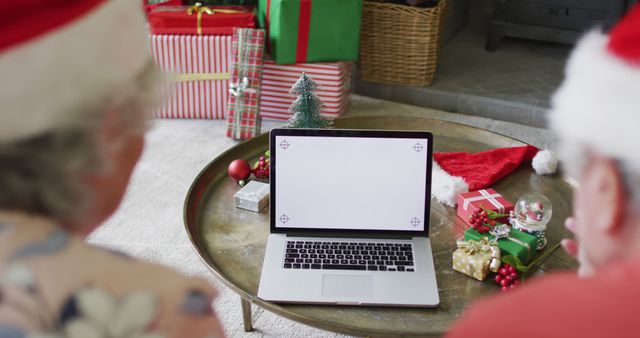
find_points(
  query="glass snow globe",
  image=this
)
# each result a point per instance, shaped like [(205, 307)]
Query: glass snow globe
[(531, 214)]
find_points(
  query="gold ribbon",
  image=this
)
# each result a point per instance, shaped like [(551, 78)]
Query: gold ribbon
[(201, 77), (503, 231), (198, 9), (484, 245)]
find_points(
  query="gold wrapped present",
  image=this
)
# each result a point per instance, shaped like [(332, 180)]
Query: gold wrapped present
[(476, 258)]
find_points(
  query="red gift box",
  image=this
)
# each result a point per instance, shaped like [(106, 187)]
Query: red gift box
[(149, 7), (200, 20), (487, 198), (199, 69), (333, 80)]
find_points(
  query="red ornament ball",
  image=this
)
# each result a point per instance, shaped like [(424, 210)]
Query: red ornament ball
[(239, 170)]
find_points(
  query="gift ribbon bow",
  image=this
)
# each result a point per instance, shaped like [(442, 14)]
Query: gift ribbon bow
[(484, 245), (237, 88), (198, 9), (484, 195), (502, 232), (256, 194)]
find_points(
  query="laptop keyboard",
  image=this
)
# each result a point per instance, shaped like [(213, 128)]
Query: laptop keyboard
[(370, 256)]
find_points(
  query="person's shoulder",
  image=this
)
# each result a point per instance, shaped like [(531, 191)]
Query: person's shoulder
[(559, 305), (101, 288)]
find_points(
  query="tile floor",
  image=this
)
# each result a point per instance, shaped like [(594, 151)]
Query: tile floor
[(512, 84)]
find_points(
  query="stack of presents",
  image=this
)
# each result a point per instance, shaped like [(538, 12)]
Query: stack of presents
[(238, 59)]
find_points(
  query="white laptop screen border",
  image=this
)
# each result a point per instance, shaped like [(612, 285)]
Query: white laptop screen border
[(349, 133)]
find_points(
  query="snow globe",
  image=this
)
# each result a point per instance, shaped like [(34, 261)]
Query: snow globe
[(531, 214)]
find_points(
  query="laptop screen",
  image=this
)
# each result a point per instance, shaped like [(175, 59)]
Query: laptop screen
[(375, 181)]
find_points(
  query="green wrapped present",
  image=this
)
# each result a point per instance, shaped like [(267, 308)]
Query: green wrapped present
[(300, 31), (510, 242)]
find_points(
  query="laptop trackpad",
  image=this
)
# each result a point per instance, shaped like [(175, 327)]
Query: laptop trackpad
[(347, 286)]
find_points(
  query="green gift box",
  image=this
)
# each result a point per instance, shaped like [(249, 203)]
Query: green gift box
[(517, 243), (300, 31)]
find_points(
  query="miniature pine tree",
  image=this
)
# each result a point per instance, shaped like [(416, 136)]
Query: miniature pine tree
[(307, 106)]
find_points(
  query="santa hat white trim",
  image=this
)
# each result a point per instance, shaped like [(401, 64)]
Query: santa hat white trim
[(597, 104), (445, 187), (71, 68)]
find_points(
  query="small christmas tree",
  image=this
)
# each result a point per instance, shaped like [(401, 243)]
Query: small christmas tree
[(307, 107)]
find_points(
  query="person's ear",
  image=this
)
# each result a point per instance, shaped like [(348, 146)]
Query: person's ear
[(603, 185)]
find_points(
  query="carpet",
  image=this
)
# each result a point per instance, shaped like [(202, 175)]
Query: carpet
[(148, 225)]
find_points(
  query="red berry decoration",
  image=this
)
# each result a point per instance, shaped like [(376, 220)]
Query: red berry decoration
[(261, 168), (240, 171), (507, 277)]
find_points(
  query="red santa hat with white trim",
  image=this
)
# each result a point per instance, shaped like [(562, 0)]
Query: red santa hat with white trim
[(459, 172), (598, 103), (60, 58)]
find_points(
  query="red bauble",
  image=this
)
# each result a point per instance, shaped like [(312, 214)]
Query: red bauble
[(239, 170)]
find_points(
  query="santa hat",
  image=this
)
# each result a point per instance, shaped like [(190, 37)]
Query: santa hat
[(458, 172), (58, 58), (598, 104)]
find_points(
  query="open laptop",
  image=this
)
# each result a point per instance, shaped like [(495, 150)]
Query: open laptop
[(349, 217)]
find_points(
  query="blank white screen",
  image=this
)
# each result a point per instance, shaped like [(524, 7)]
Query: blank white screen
[(350, 183)]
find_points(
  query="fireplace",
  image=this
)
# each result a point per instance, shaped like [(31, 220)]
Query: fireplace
[(560, 21)]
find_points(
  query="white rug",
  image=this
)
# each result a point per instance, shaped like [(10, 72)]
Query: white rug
[(149, 225)]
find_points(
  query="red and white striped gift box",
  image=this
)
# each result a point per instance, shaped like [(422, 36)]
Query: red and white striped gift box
[(333, 79), (198, 66)]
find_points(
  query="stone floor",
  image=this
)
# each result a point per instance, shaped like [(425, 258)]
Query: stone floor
[(512, 84)]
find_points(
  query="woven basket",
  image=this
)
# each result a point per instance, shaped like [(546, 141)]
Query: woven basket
[(399, 43)]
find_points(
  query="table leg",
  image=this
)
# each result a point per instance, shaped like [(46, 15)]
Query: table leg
[(246, 315)]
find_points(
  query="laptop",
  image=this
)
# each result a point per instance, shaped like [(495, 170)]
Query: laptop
[(349, 218)]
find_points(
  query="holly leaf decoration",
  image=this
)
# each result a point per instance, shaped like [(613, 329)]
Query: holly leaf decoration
[(515, 262), (492, 214)]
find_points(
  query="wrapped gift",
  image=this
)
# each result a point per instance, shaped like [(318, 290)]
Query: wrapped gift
[(510, 241), (476, 258), (243, 119), (333, 80), (485, 198), (198, 69), (200, 20), (223, 2), (254, 196), (311, 30), (150, 5)]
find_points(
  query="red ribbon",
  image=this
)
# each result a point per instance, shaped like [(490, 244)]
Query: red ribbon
[(303, 31)]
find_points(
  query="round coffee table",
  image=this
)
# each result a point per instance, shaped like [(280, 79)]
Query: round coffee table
[(232, 241)]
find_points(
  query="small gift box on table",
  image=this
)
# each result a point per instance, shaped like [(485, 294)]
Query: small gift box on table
[(333, 80), (476, 258), (198, 70), (510, 241), (486, 198), (200, 20), (243, 119), (254, 196), (311, 30)]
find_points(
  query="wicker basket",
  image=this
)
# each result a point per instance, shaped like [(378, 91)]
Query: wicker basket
[(399, 43)]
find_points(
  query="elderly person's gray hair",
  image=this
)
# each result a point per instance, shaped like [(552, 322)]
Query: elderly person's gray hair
[(40, 175), (575, 157)]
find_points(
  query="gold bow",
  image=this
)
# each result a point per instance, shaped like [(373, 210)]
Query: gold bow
[(198, 9), (484, 246)]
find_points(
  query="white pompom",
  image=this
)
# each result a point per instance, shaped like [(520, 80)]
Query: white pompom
[(444, 187), (545, 162)]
